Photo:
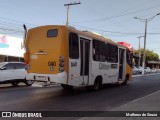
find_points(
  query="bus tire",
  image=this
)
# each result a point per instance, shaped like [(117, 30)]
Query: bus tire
[(126, 80), (97, 83), (67, 87)]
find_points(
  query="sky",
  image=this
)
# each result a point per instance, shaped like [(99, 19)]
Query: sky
[(111, 18)]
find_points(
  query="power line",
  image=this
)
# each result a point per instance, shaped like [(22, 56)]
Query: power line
[(121, 15), (12, 27), (17, 21), (116, 32), (6, 29)]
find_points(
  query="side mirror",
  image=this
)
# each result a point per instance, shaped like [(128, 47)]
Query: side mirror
[(3, 68)]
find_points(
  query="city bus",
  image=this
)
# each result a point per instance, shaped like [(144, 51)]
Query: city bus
[(70, 57)]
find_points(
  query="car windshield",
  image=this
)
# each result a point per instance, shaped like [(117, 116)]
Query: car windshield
[(2, 64)]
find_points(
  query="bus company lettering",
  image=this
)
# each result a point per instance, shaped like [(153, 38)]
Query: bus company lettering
[(114, 66), (104, 66)]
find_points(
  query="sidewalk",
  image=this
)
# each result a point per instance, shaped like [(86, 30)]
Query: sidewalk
[(140, 75)]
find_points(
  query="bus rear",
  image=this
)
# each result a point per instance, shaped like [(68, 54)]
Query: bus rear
[(46, 54), (129, 57)]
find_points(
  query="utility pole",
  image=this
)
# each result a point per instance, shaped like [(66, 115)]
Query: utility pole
[(139, 54), (68, 6), (145, 35), (144, 53)]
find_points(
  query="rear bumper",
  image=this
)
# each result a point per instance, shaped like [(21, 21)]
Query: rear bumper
[(58, 78)]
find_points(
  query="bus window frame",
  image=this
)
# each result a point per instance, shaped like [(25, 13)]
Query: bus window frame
[(108, 53), (97, 49), (129, 58)]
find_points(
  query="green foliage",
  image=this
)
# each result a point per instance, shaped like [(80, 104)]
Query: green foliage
[(150, 55)]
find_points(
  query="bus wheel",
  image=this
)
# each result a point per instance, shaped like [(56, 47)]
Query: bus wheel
[(97, 83), (68, 87), (126, 80)]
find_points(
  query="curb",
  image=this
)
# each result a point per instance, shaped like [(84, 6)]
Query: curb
[(133, 76)]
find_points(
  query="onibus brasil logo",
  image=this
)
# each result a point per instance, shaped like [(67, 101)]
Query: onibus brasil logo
[(21, 114)]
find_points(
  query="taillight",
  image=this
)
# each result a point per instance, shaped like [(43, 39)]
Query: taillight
[(61, 64)]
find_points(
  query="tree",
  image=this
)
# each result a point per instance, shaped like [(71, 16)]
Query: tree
[(150, 55)]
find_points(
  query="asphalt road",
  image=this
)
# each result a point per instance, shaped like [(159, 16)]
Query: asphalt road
[(24, 98)]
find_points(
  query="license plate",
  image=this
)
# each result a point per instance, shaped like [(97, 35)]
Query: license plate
[(43, 78)]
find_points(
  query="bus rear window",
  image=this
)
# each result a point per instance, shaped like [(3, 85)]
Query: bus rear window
[(52, 33)]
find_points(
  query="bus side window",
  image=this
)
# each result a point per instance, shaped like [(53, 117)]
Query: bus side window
[(129, 58), (73, 46), (102, 51), (112, 53), (98, 51), (107, 52)]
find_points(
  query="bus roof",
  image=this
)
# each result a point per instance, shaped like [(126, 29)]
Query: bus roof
[(86, 33), (92, 35), (100, 37), (129, 46)]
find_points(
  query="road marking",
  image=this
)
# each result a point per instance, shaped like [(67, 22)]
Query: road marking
[(136, 100), (45, 85), (36, 85), (86, 118)]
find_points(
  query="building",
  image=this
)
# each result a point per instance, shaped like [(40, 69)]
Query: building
[(9, 58), (10, 49), (153, 64)]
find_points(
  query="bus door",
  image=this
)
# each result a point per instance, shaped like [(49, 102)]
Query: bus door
[(74, 59), (85, 58), (121, 63)]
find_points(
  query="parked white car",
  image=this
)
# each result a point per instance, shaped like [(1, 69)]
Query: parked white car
[(153, 70), (139, 69), (13, 72), (135, 70), (147, 70), (158, 70)]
